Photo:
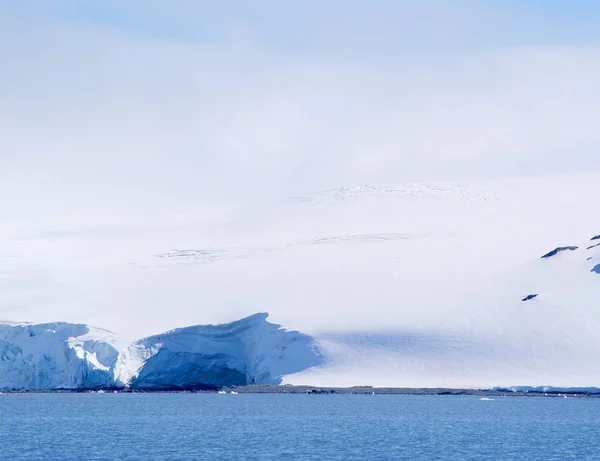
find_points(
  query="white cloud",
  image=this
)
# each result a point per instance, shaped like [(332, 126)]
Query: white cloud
[(112, 115)]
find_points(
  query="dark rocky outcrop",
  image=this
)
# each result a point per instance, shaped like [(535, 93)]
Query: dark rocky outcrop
[(558, 250), (530, 297)]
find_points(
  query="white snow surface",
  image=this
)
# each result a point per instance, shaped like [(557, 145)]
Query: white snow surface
[(490, 337), (399, 284)]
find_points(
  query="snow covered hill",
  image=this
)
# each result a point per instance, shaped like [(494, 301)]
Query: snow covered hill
[(390, 199), (398, 284), (534, 325)]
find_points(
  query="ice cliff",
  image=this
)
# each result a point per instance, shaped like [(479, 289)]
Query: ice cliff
[(55, 356), (250, 350), (75, 356)]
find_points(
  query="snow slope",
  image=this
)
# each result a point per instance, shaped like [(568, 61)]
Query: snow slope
[(497, 335), (355, 257), (532, 325), (400, 284)]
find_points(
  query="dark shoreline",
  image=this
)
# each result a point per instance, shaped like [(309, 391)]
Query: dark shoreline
[(317, 390)]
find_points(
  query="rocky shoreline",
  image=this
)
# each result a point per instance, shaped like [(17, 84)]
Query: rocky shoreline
[(317, 390)]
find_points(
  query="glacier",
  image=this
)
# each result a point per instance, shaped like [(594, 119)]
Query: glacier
[(489, 338), (75, 356), (248, 351), (398, 285), (56, 355), (397, 216)]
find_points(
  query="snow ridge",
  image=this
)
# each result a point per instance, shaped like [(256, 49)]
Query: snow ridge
[(412, 191), (247, 251)]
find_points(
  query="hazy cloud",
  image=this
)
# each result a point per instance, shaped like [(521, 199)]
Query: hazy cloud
[(133, 105)]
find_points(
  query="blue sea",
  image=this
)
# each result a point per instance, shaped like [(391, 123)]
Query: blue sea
[(191, 426)]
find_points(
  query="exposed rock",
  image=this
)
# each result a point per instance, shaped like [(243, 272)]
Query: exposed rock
[(529, 297), (558, 250)]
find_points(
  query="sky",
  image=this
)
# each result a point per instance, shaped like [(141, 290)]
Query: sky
[(131, 127), (110, 99)]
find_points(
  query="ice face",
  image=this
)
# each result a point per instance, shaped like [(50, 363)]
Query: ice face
[(250, 350), (55, 356), (76, 356)]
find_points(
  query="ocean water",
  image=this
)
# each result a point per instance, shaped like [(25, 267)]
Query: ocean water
[(296, 427)]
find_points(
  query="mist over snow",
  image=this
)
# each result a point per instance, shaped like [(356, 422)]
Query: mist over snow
[(383, 179)]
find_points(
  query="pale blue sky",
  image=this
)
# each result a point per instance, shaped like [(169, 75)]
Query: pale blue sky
[(309, 24), (283, 97)]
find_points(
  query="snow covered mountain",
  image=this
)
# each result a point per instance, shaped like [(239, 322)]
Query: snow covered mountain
[(533, 325), (392, 204), (398, 285)]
